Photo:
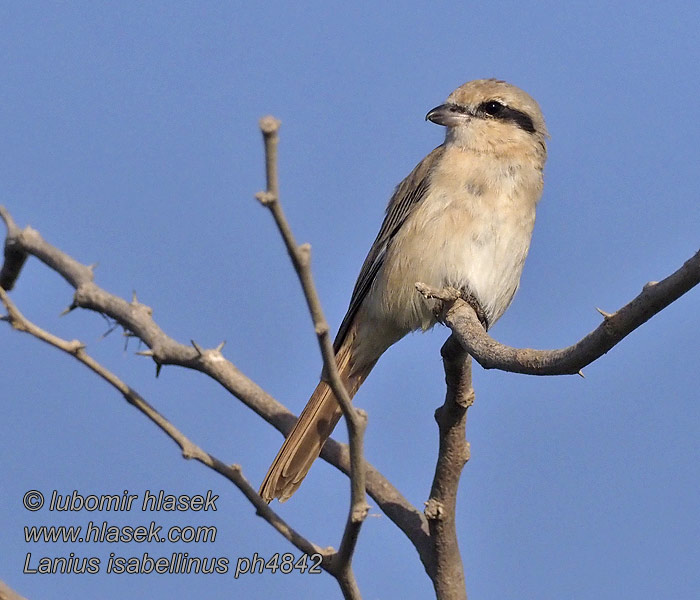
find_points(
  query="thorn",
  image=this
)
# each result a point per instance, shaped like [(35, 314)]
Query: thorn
[(606, 315), (68, 309), (144, 353), (93, 266), (5, 318), (134, 299), (158, 368), (110, 330), (220, 347), (581, 374), (197, 347)]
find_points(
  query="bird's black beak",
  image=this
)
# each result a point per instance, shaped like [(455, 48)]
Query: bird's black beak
[(448, 115)]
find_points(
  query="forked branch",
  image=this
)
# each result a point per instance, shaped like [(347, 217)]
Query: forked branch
[(190, 450)]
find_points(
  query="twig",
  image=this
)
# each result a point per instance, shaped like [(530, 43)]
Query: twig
[(189, 449), (490, 354), (447, 572), (138, 318), (7, 593), (356, 422)]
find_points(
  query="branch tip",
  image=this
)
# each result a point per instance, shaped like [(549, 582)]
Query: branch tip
[(269, 125), (9, 221), (423, 289), (447, 294)]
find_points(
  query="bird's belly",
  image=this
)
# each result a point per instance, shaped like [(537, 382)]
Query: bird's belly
[(473, 242)]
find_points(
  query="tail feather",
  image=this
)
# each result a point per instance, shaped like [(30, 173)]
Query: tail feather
[(315, 425)]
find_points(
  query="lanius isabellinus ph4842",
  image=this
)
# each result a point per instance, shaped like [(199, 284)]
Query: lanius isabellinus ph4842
[(462, 218)]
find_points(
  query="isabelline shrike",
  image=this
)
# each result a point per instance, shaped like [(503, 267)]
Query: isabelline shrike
[(462, 218)]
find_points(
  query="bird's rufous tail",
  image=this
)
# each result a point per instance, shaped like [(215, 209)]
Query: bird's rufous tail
[(315, 425)]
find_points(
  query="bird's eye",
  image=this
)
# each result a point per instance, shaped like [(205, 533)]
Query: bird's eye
[(492, 107)]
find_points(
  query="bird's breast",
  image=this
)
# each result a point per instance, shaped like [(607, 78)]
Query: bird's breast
[(472, 231)]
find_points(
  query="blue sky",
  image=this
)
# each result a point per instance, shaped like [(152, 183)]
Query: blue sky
[(129, 138)]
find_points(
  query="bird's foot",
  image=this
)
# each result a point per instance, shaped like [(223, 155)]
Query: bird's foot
[(471, 300)]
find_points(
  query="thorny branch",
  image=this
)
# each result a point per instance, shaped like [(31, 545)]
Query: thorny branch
[(7, 593), (490, 354), (356, 420), (137, 319), (434, 537), (189, 449)]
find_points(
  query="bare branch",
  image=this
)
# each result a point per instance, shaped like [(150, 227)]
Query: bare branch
[(446, 570), (356, 421), (490, 354), (7, 593), (164, 350), (189, 449)]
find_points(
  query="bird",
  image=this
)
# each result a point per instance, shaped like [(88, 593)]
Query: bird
[(463, 218)]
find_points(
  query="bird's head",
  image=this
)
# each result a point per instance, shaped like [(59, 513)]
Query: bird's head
[(492, 116)]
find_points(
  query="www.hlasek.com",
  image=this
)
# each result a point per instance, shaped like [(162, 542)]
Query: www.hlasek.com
[(101, 531)]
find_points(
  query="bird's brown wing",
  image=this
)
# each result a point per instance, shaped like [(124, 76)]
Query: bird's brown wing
[(407, 196), (321, 413)]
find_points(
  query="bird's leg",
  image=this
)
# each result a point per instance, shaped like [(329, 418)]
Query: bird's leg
[(444, 298), (471, 300)]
